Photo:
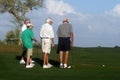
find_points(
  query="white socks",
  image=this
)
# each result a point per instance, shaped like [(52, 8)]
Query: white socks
[(61, 64), (65, 65)]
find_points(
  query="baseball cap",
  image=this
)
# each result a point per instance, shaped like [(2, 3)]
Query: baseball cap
[(29, 24)]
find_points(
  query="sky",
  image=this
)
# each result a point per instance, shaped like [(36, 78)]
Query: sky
[(95, 22)]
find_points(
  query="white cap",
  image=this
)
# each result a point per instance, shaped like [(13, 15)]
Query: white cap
[(29, 24)]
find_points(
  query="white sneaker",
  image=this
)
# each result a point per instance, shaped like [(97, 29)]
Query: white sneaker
[(61, 65), (67, 67), (32, 64), (22, 61), (32, 61), (49, 65), (29, 66), (45, 66)]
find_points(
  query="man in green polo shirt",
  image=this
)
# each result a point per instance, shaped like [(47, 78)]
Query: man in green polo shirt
[(27, 37)]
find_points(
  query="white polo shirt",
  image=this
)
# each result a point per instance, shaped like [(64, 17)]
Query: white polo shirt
[(46, 31)]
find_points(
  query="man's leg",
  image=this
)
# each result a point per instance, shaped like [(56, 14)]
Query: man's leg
[(28, 60), (28, 63), (45, 59), (22, 61), (66, 58), (45, 62), (23, 54), (61, 58)]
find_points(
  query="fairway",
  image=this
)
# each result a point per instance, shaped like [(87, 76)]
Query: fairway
[(87, 64)]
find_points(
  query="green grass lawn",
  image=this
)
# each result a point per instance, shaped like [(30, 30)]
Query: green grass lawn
[(86, 65)]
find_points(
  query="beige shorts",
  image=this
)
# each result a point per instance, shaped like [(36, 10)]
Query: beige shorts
[(46, 45), (29, 52)]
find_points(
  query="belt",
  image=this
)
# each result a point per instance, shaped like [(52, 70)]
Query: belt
[(45, 38)]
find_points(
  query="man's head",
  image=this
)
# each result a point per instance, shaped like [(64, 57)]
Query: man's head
[(49, 21), (27, 21), (65, 20)]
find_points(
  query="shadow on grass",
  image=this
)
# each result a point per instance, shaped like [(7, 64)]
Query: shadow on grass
[(54, 63), (40, 61), (18, 58)]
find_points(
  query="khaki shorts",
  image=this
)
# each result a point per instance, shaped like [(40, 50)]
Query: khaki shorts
[(29, 52), (46, 45)]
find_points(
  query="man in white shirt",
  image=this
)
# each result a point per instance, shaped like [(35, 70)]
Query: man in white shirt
[(47, 37)]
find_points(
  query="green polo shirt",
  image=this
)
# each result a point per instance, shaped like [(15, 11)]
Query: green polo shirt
[(27, 37)]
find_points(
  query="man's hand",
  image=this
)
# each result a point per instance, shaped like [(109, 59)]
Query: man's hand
[(36, 43)]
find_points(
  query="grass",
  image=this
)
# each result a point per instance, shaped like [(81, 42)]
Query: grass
[(86, 65)]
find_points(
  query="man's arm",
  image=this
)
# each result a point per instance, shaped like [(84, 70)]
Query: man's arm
[(72, 38), (52, 39)]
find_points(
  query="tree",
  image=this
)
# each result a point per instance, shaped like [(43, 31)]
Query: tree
[(18, 9), (10, 34), (10, 37)]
